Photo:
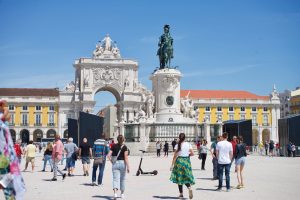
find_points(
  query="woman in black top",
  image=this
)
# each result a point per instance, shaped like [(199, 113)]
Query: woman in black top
[(118, 155), (240, 159), (48, 156)]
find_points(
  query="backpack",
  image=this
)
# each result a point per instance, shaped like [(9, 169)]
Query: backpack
[(74, 156)]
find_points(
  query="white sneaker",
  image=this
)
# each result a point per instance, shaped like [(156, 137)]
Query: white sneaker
[(115, 196), (122, 196)]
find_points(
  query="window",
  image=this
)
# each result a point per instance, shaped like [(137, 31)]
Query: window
[(11, 107), (231, 117), (265, 109), (253, 109), (219, 109), (38, 119), (254, 119), (207, 118), (25, 108), (230, 109), (265, 119), (24, 119), (243, 117), (207, 108), (51, 108), (242, 109), (51, 119), (38, 108), (12, 119)]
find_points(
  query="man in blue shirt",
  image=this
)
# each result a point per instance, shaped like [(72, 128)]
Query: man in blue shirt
[(100, 150)]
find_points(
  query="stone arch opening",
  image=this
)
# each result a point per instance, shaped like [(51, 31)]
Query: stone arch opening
[(24, 136), (37, 135), (107, 105), (66, 133), (255, 135), (266, 135), (51, 133), (13, 135)]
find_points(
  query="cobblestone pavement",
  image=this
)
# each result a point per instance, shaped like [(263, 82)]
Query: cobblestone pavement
[(265, 178)]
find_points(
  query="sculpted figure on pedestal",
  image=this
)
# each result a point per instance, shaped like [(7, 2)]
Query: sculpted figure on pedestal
[(165, 51)]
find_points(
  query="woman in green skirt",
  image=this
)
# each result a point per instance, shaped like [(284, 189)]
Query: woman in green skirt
[(181, 166)]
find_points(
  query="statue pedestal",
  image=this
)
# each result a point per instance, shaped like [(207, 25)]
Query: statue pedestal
[(166, 89)]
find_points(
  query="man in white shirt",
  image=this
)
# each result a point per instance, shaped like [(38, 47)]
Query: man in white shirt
[(224, 154)]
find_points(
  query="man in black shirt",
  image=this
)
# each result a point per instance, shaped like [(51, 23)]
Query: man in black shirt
[(174, 144), (85, 153)]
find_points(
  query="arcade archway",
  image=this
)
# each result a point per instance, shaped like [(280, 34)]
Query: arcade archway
[(255, 139), (13, 134), (51, 133), (266, 135), (37, 135), (24, 136), (66, 133)]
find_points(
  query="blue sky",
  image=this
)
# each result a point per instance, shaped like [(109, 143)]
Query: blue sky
[(229, 45)]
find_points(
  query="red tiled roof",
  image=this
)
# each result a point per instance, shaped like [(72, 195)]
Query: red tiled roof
[(45, 92), (221, 94)]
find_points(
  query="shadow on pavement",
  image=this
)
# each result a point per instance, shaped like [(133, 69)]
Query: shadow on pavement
[(87, 184), (50, 180), (206, 189), (103, 197), (205, 179), (164, 197)]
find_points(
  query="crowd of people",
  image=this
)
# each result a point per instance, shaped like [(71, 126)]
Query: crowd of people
[(223, 152)]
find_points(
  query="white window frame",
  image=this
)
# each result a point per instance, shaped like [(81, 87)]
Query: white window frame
[(231, 117), (36, 119), (231, 110), (39, 107), (25, 107), (52, 106), (24, 118), (11, 106), (220, 109)]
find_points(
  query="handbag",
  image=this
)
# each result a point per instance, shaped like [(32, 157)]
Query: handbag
[(115, 158)]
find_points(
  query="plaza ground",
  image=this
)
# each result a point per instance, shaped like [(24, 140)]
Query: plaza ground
[(265, 178)]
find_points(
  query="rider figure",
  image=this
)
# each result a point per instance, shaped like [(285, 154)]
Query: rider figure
[(165, 51)]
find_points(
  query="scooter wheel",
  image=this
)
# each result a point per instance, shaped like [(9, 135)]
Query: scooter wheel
[(155, 172), (138, 173)]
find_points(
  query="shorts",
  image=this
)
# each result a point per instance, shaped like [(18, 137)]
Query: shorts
[(70, 162), (30, 159), (85, 160), (240, 161)]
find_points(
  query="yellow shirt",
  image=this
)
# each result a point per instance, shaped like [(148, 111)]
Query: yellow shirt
[(31, 149)]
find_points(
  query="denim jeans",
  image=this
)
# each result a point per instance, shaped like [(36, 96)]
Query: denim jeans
[(101, 170), (215, 167), (227, 171), (49, 159), (119, 172), (55, 168)]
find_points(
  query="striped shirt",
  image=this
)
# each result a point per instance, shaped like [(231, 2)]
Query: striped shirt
[(100, 148)]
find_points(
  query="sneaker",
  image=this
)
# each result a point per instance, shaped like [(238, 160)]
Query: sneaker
[(115, 195), (54, 179), (219, 189), (180, 196), (238, 187), (190, 193), (64, 176), (228, 190), (43, 170), (87, 173), (122, 196), (84, 174), (242, 186), (65, 169), (69, 174), (51, 170)]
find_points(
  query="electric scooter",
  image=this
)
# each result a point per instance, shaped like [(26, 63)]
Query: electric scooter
[(140, 171)]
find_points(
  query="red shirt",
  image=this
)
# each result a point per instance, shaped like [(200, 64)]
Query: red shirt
[(18, 150), (233, 143)]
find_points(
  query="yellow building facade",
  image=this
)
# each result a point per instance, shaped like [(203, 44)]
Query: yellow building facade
[(217, 106), (34, 112)]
